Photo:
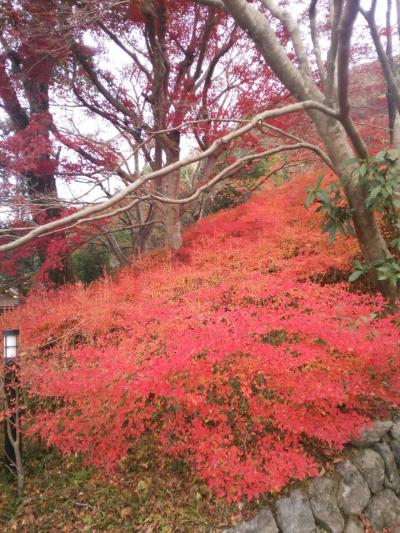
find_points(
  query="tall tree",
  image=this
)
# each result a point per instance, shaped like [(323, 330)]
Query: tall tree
[(188, 64), (388, 64), (27, 70), (176, 72), (338, 133)]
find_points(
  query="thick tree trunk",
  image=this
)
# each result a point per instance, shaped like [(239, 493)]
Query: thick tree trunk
[(370, 238), (396, 132), (172, 212), (115, 248), (392, 112), (301, 85), (170, 188), (369, 235), (44, 199)]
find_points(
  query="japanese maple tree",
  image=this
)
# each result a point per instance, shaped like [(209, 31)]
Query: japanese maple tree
[(191, 80), (28, 157), (296, 71), (189, 67)]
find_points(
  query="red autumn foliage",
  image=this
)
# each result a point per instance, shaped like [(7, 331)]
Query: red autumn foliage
[(227, 354), (189, 64), (51, 249)]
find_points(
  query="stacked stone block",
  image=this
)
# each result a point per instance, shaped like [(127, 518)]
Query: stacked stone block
[(365, 485)]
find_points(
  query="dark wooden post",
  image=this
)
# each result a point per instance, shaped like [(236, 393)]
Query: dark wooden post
[(11, 432)]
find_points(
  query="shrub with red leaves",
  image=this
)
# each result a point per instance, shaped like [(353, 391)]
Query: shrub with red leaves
[(226, 355)]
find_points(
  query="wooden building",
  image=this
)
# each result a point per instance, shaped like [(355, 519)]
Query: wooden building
[(9, 299)]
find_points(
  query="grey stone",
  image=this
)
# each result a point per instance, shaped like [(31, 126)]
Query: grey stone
[(395, 445), (386, 438), (263, 522), (371, 466), (372, 434), (395, 430), (354, 525), (384, 510), (353, 492), (324, 505), (294, 514), (392, 475)]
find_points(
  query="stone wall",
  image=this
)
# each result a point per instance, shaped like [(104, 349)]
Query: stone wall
[(366, 485)]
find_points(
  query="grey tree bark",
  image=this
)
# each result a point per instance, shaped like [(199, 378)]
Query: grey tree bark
[(340, 136)]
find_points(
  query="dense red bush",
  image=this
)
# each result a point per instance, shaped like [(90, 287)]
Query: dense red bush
[(228, 354)]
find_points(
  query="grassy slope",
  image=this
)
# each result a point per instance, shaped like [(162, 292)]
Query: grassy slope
[(272, 233)]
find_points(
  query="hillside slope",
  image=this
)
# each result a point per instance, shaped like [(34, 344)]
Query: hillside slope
[(240, 355)]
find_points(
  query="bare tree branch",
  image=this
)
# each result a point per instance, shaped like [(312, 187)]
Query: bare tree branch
[(325, 158), (131, 54), (218, 4), (227, 171), (116, 103), (312, 14), (345, 33), (286, 17), (336, 8), (383, 58), (173, 167), (263, 34)]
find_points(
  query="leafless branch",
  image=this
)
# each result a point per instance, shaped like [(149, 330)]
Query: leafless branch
[(286, 17), (383, 58), (227, 171), (349, 16), (88, 212), (312, 14)]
